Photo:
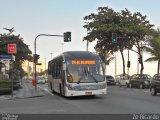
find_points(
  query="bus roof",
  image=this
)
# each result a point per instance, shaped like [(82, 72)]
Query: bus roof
[(71, 55), (77, 55)]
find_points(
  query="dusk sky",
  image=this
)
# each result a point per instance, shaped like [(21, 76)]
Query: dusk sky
[(33, 17)]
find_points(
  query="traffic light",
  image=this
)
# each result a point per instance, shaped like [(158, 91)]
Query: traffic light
[(36, 57), (67, 37), (114, 37)]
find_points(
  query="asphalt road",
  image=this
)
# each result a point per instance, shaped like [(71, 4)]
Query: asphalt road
[(117, 101)]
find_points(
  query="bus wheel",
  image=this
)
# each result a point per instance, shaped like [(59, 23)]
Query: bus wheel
[(51, 87), (153, 91), (62, 90)]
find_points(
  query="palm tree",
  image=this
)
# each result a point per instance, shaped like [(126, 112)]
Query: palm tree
[(106, 57), (154, 49)]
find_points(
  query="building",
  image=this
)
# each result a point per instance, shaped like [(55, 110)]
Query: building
[(29, 67)]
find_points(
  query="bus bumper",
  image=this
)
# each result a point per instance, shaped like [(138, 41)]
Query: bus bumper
[(86, 93)]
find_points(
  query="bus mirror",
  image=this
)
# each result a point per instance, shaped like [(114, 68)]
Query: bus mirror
[(64, 66)]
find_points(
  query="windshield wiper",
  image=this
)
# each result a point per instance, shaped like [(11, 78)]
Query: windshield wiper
[(79, 80), (93, 77), (86, 74)]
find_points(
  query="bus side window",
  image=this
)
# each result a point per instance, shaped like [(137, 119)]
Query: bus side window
[(57, 69), (52, 70), (49, 68), (60, 69)]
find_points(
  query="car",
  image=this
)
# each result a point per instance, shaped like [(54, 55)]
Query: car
[(123, 81), (41, 80), (155, 85), (140, 80), (110, 80)]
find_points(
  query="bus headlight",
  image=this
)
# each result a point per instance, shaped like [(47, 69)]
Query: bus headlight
[(102, 86), (70, 87)]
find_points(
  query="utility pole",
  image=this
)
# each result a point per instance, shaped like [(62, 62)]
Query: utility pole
[(115, 65), (35, 74), (67, 38)]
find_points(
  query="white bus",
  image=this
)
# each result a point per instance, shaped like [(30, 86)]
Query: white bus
[(77, 73)]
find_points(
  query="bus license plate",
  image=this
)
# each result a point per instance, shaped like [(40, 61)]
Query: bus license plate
[(88, 93)]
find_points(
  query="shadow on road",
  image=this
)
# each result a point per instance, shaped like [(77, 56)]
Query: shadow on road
[(80, 97)]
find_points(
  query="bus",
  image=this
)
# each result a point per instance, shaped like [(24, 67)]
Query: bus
[(77, 73)]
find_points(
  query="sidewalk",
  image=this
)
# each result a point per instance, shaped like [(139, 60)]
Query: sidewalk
[(26, 91)]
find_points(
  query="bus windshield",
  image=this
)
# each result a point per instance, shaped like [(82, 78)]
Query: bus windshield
[(84, 72)]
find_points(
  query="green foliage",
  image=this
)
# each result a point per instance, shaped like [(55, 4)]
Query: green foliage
[(106, 57), (154, 46), (5, 86), (158, 40), (131, 29), (23, 51), (154, 49)]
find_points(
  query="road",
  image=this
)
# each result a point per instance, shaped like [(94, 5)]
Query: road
[(118, 101)]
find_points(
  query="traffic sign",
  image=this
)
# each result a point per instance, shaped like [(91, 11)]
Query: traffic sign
[(12, 48), (6, 57)]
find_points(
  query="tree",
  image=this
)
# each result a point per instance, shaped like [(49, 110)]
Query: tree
[(140, 29), (154, 49), (23, 51), (131, 30)]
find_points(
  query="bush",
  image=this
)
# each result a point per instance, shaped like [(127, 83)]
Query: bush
[(5, 91), (6, 86)]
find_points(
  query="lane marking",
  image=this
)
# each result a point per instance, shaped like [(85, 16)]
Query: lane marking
[(46, 90)]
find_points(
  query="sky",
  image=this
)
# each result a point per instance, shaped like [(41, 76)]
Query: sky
[(33, 17)]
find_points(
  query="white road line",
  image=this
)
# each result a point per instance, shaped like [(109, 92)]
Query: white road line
[(46, 90)]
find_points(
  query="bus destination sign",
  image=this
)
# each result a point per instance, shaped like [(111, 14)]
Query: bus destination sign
[(83, 62)]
